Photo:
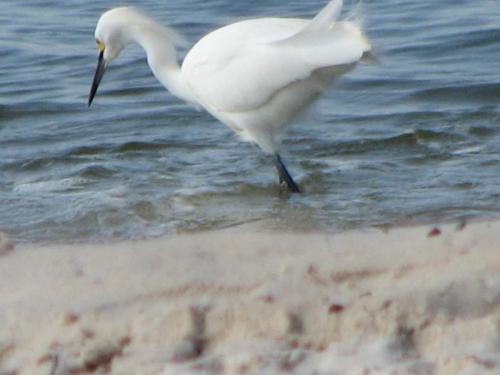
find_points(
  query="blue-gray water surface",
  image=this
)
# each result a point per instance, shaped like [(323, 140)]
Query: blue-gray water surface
[(412, 138)]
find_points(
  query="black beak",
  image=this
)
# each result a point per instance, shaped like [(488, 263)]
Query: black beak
[(99, 72)]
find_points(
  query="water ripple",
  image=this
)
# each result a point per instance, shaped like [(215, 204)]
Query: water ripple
[(412, 138)]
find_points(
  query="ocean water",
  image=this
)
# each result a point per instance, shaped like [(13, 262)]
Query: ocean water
[(413, 138)]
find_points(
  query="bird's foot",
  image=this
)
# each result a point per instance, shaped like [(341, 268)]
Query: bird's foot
[(286, 179)]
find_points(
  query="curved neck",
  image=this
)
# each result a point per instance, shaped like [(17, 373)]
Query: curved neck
[(158, 42)]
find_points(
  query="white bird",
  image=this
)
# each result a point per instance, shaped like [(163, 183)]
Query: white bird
[(254, 75)]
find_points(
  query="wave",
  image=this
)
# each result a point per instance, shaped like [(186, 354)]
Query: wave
[(478, 93)]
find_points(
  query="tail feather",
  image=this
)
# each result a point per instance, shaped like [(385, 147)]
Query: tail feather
[(343, 43), (324, 19)]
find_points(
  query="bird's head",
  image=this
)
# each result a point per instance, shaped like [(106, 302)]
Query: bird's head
[(112, 35)]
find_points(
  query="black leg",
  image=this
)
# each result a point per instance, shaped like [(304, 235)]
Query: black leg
[(285, 178)]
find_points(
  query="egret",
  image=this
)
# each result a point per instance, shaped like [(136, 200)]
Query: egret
[(254, 75)]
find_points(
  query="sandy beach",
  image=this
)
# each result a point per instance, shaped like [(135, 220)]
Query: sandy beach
[(417, 300)]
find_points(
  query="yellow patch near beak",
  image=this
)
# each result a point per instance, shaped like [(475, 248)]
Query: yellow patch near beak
[(100, 46)]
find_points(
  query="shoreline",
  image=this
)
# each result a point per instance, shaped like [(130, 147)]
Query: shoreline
[(418, 299)]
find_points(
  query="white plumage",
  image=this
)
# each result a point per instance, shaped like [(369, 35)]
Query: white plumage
[(254, 75)]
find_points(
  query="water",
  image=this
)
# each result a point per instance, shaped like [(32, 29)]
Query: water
[(414, 138)]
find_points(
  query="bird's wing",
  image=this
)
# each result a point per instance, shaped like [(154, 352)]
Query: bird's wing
[(240, 67)]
